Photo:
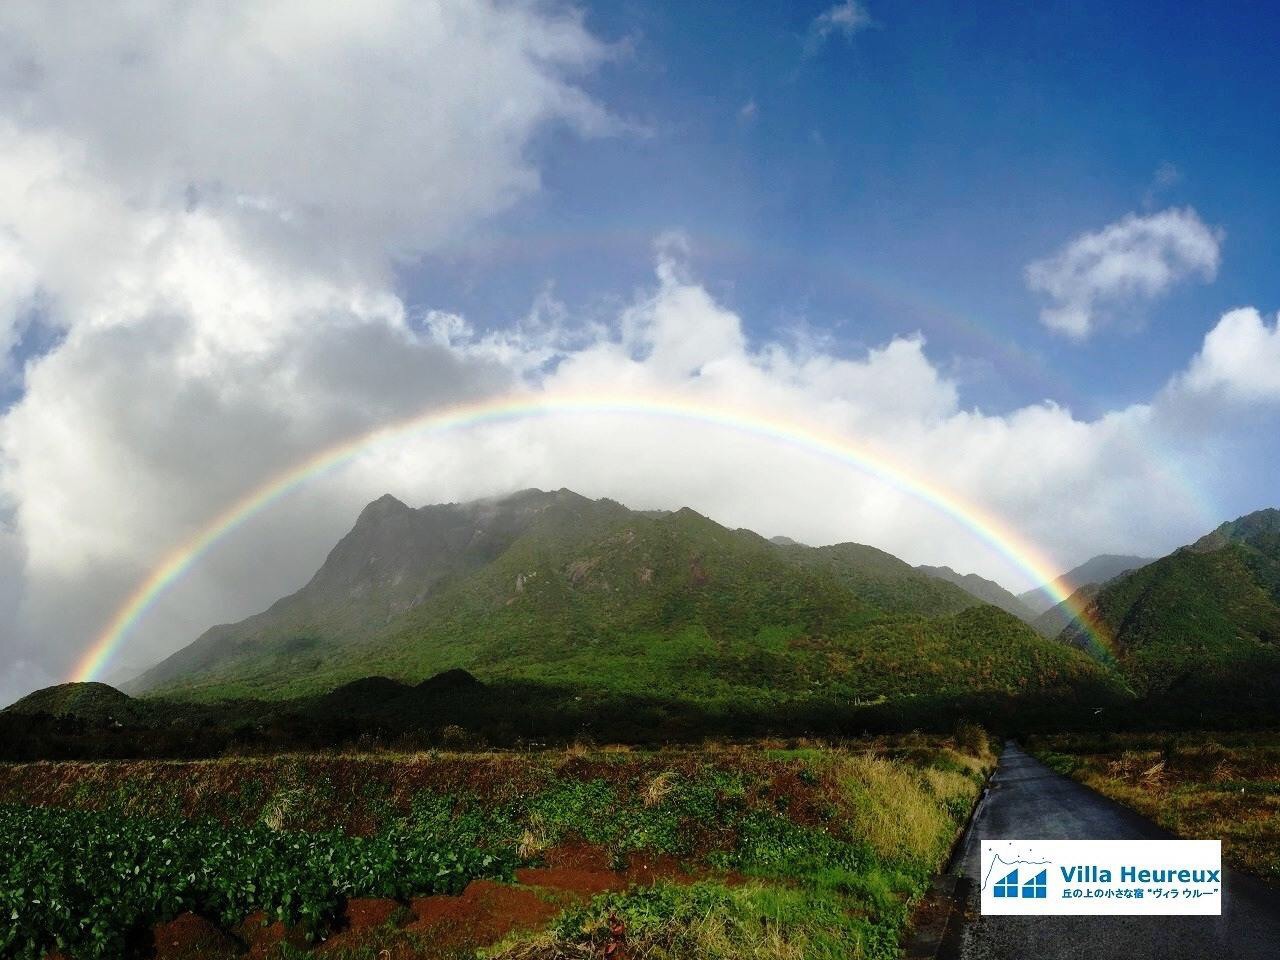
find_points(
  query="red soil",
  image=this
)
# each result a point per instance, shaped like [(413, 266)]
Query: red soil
[(360, 916), (189, 936), (644, 869), (364, 912), (587, 882), (265, 939), (575, 868), (587, 870), (484, 913)]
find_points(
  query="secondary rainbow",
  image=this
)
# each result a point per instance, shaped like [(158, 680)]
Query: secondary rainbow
[(980, 522)]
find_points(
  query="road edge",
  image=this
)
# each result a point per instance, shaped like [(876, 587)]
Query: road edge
[(937, 922)]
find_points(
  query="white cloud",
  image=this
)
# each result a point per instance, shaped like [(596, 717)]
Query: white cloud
[(336, 131), (1240, 358), (132, 436), (844, 19), (1136, 258), (207, 203)]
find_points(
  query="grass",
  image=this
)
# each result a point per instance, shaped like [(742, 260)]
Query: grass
[(800, 850), (707, 920), (1198, 785)]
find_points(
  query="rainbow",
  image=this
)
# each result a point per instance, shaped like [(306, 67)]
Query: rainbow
[(986, 527)]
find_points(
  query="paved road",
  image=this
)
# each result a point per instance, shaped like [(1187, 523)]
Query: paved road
[(1028, 800)]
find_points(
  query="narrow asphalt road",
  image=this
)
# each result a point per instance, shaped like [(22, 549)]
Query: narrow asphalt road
[(1027, 800)]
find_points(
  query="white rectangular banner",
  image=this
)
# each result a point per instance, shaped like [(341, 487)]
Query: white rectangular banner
[(1082, 877)]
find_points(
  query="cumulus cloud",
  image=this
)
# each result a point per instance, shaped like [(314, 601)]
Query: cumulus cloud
[(341, 131), (206, 204), (1240, 358), (1134, 259)]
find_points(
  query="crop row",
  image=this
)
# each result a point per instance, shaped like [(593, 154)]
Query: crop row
[(80, 881)]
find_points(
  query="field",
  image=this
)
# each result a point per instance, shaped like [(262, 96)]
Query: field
[(1197, 785), (769, 850)]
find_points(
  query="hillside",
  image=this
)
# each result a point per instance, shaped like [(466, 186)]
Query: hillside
[(91, 701), (988, 591), (1099, 569), (1053, 621), (392, 560), (1200, 628), (563, 592)]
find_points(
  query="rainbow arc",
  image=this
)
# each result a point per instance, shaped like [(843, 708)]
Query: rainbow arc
[(985, 526)]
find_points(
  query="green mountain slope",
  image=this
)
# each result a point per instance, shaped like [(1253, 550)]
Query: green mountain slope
[(1201, 626), (394, 558), (589, 596), (1053, 621), (1095, 570), (988, 591)]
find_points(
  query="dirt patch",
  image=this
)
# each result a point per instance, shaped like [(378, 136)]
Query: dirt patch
[(361, 917), (363, 913), (188, 937), (579, 856), (647, 868), (585, 882), (265, 938), (586, 870), (484, 913), (575, 867)]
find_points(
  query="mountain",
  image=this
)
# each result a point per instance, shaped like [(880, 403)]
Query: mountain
[(1200, 628), (1099, 569), (559, 591), (391, 561), (988, 591), (1057, 618)]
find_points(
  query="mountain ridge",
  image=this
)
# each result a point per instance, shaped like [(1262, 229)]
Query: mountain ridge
[(983, 589), (1096, 570), (1201, 625), (559, 590)]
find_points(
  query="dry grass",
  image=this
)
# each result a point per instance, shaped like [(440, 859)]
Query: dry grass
[(1196, 788), (278, 810), (535, 839), (660, 788), (897, 809), (737, 931)]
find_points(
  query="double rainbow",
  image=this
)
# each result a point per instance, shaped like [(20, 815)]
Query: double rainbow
[(985, 527)]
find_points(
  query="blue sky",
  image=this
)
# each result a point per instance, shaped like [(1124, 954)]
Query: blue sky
[(906, 175)]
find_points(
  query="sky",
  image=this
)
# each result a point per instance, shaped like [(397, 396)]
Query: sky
[(1022, 253)]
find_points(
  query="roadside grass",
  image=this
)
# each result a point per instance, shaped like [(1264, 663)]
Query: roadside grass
[(1198, 785), (797, 851)]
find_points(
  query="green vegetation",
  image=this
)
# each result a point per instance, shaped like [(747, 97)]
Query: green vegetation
[(1198, 785), (89, 701), (82, 882), (570, 593), (831, 844), (988, 591), (1198, 632)]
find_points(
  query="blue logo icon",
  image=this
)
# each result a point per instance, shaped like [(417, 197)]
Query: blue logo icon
[(1034, 889)]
